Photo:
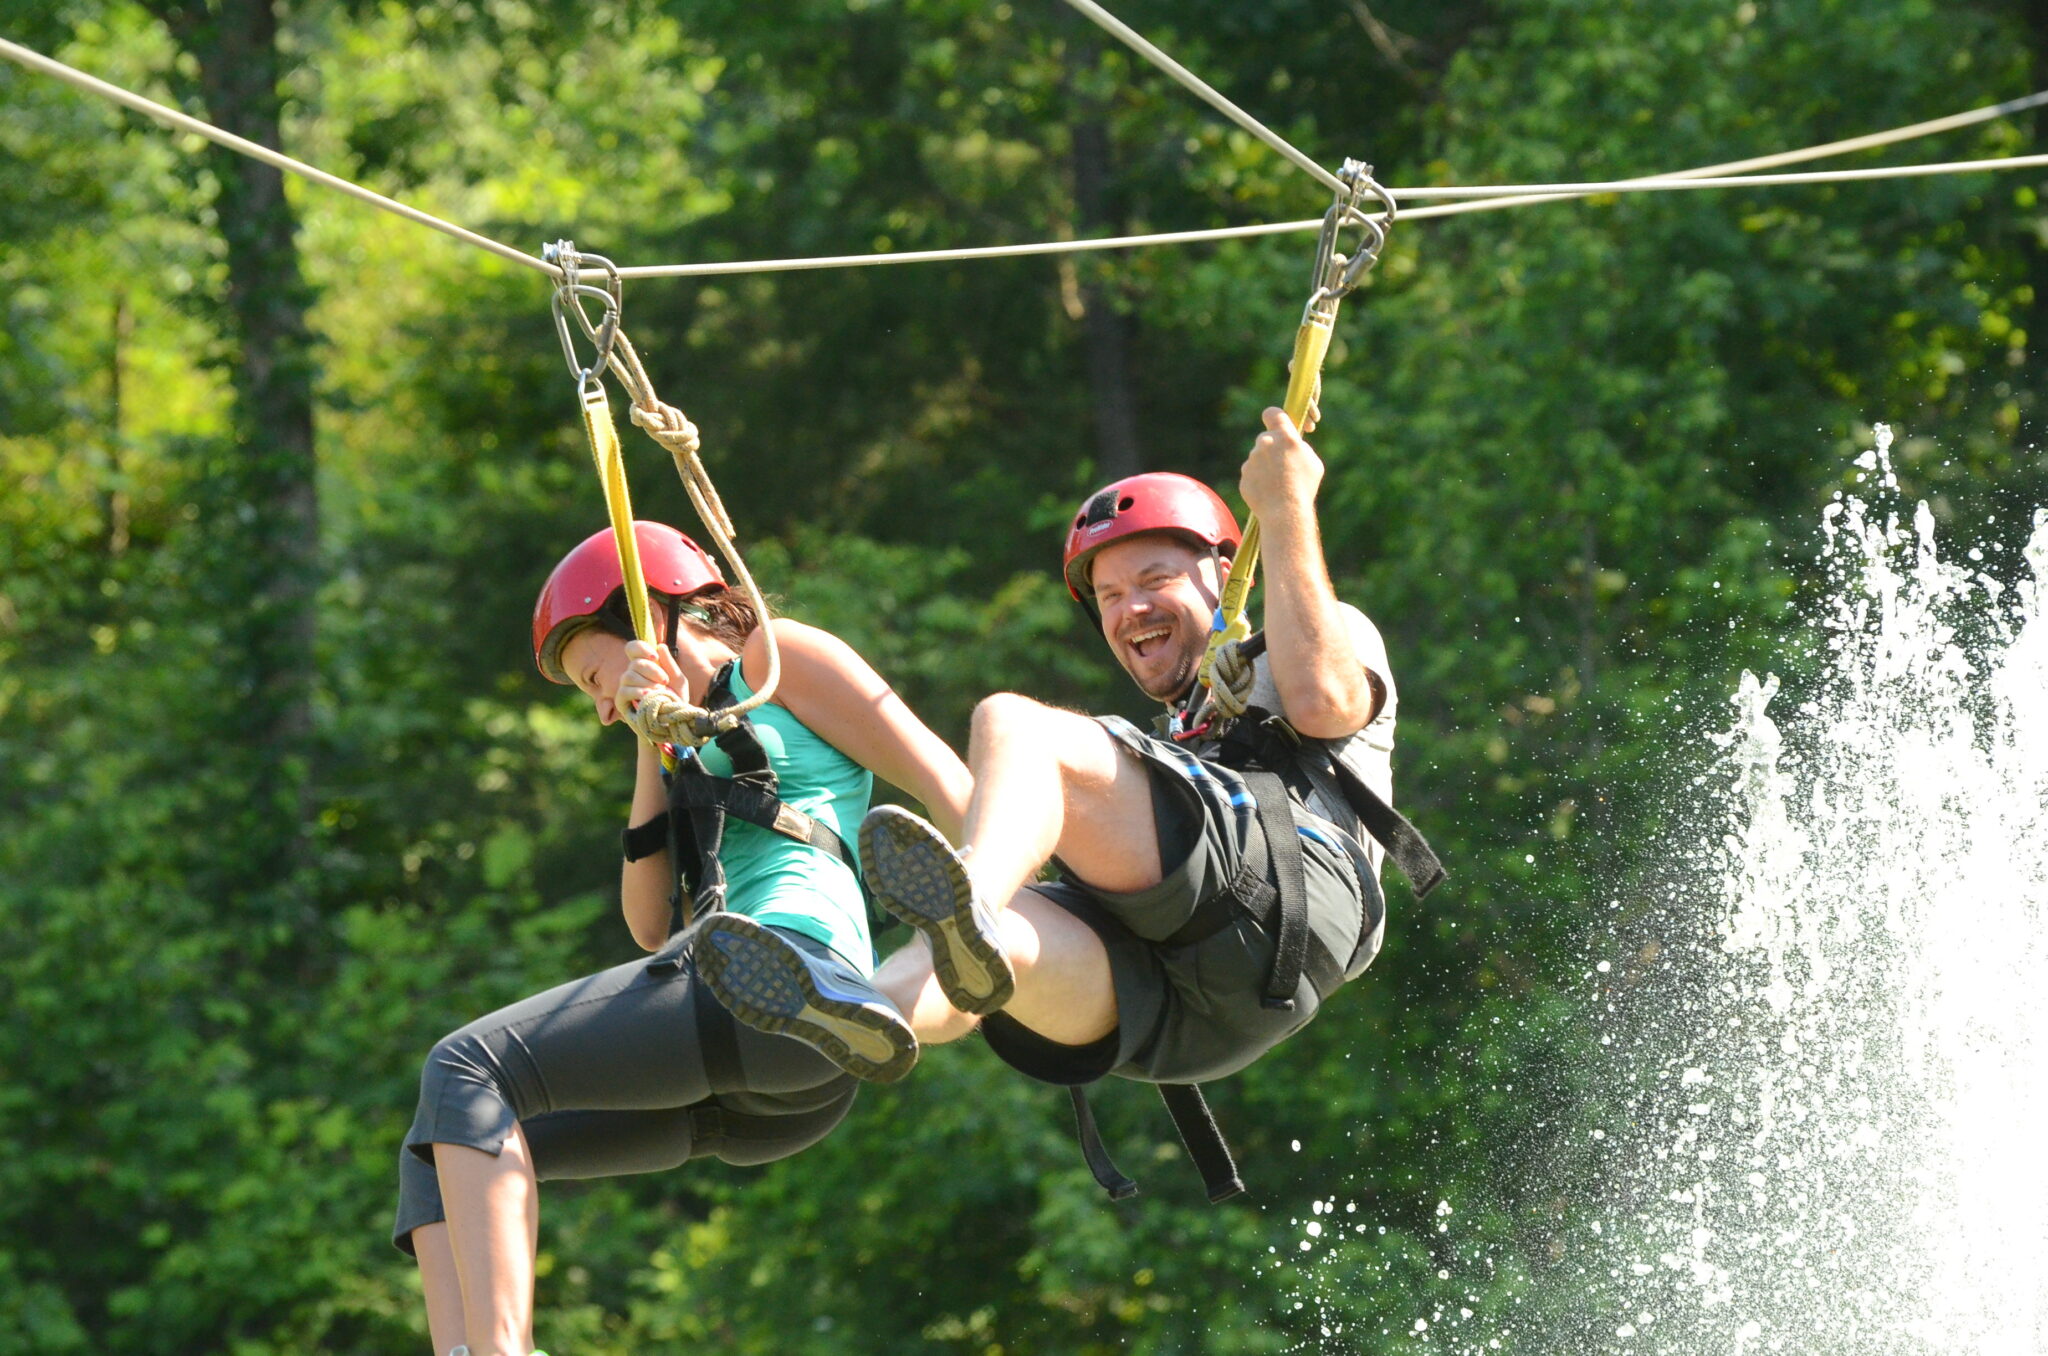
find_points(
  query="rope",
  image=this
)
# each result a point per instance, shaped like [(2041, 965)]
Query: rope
[(669, 427), (1195, 85)]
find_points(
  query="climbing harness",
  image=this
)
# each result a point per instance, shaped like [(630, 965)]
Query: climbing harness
[(1281, 768), (660, 718), (1335, 276), (692, 829)]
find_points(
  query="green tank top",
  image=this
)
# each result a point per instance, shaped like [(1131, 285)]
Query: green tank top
[(776, 880)]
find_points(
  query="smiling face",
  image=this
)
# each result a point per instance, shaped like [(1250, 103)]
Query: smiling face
[(595, 660), (1157, 594)]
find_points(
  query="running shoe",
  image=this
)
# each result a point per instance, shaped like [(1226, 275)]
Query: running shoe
[(772, 985), (917, 877)]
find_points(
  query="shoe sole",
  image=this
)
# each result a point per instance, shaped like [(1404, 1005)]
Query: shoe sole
[(763, 981), (916, 877)]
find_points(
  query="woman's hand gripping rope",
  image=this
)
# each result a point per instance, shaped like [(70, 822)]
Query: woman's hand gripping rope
[(653, 695)]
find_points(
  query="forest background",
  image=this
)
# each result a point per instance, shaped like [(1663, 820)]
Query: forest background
[(282, 799)]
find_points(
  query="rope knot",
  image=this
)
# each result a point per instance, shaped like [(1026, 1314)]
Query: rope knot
[(669, 426), (664, 718)]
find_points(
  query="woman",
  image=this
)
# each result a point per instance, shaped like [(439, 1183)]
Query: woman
[(640, 1068)]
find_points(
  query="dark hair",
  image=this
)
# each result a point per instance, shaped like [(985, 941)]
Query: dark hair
[(732, 615)]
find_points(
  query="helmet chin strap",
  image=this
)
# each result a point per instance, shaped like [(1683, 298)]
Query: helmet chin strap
[(678, 608)]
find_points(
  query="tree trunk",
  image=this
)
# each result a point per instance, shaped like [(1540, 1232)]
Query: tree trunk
[(1106, 330), (268, 551), (114, 505)]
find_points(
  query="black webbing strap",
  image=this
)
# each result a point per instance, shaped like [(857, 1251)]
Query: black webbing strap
[(1254, 740), (1205, 1143), (1404, 843), (1248, 891), (644, 840), (760, 806), (705, 825), (740, 745), (697, 829), (1197, 1129), (1283, 850), (1107, 1175), (718, 1040)]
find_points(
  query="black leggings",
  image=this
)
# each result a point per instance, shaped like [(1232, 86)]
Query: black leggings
[(634, 1069)]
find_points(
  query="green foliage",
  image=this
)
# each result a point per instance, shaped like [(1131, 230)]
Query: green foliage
[(1574, 454)]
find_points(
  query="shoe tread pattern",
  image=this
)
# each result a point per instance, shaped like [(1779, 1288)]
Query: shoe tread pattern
[(766, 983), (918, 879)]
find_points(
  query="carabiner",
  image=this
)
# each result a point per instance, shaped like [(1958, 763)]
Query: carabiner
[(1337, 275), (572, 289), (1374, 228)]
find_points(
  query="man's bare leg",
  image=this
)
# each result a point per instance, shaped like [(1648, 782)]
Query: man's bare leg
[(1048, 782), (1064, 991)]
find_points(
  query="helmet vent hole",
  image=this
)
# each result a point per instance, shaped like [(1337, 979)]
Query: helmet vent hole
[(1123, 505)]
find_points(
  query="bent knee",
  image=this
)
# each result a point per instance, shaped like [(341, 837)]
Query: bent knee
[(462, 1058), (1009, 710), (1065, 735)]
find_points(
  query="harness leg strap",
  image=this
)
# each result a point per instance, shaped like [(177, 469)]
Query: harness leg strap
[(718, 1040), (1107, 1175), (1205, 1143), (1283, 847)]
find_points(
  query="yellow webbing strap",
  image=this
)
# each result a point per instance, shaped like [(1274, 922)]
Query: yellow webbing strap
[(618, 501), (1311, 345)]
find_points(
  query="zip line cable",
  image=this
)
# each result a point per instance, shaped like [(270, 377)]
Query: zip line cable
[(1868, 141), (1515, 196), (1669, 182), (1509, 195), (71, 75), (1195, 85), (1728, 174)]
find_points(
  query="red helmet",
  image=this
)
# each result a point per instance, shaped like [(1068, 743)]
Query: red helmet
[(577, 591), (1157, 501)]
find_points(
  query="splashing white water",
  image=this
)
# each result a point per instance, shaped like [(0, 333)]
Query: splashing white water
[(1855, 1163), (1831, 1134)]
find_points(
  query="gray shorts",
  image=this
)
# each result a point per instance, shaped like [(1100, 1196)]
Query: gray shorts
[(1186, 1014), (634, 1069)]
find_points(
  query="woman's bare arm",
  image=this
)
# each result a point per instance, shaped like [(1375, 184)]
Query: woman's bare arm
[(831, 689)]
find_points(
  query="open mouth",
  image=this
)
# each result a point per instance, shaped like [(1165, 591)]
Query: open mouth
[(1149, 642)]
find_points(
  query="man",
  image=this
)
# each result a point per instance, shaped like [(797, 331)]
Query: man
[(1217, 885)]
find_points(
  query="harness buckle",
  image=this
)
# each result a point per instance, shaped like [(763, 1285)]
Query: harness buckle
[(791, 823)]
